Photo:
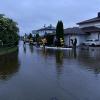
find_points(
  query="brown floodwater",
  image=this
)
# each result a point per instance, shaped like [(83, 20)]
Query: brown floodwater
[(35, 74)]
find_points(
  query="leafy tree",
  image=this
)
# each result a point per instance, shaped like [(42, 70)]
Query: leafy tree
[(59, 31), (8, 30)]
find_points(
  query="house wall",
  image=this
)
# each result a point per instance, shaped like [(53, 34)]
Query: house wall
[(80, 39), (97, 24), (42, 33), (94, 36)]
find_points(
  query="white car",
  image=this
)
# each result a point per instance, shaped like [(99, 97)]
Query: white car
[(92, 43)]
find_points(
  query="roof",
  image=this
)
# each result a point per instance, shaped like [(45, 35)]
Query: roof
[(96, 19), (91, 29), (47, 28), (74, 30), (33, 31)]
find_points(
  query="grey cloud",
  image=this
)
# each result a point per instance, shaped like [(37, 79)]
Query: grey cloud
[(33, 14)]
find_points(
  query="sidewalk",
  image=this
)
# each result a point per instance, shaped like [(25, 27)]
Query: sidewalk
[(56, 48)]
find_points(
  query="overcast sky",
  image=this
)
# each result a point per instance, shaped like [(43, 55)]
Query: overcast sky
[(33, 14)]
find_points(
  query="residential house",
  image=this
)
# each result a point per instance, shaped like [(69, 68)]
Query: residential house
[(72, 33), (87, 30), (34, 32), (46, 30), (69, 34), (91, 27)]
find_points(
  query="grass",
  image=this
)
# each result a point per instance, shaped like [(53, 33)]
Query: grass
[(6, 50)]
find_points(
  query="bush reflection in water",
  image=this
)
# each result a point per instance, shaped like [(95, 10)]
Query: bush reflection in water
[(9, 65)]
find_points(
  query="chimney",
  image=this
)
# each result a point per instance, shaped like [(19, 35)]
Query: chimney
[(99, 14)]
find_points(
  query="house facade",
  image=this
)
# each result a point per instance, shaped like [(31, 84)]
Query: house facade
[(91, 27), (72, 34), (46, 30), (87, 30)]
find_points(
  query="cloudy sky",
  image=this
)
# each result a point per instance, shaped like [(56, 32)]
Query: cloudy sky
[(33, 14)]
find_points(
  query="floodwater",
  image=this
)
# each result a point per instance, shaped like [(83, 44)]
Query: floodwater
[(35, 74)]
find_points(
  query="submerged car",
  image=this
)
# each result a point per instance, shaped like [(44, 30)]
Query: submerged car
[(92, 43)]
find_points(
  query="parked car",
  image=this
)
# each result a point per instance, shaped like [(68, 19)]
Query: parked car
[(92, 43)]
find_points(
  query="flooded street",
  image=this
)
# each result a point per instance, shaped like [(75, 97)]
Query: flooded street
[(34, 74)]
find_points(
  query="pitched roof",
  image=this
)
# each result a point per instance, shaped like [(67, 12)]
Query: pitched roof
[(91, 29), (74, 30), (96, 19)]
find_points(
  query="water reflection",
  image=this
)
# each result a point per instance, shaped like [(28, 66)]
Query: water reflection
[(74, 53), (88, 59), (59, 54), (59, 57), (31, 48), (59, 62), (51, 74), (9, 65), (24, 48)]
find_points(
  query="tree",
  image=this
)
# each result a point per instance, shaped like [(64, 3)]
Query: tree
[(30, 36), (50, 39), (38, 39), (37, 36), (59, 32), (8, 30)]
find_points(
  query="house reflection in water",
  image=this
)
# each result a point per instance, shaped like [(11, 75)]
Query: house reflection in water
[(9, 65), (87, 59), (59, 57), (24, 48), (31, 48), (59, 62), (90, 59)]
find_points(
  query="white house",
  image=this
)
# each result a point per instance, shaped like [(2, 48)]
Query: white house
[(46, 30), (87, 30), (72, 33), (91, 27)]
